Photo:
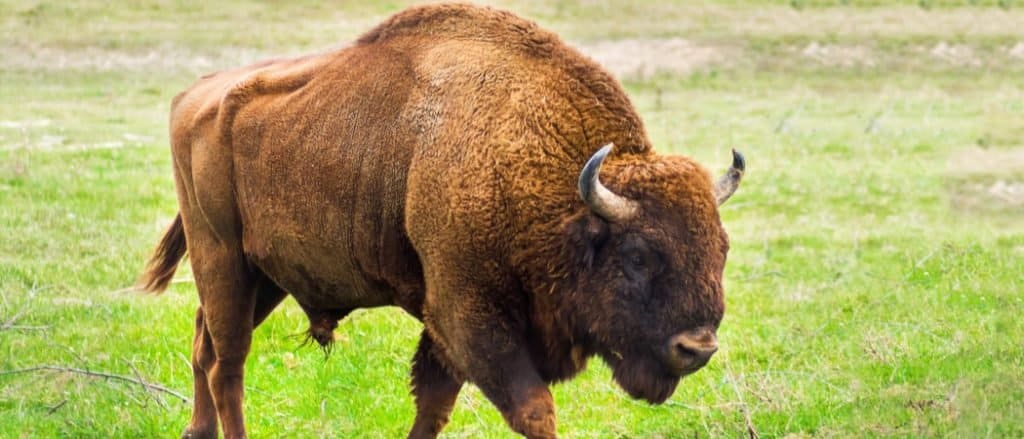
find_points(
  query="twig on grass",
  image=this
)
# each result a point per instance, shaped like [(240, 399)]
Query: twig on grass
[(765, 274), (785, 124), (146, 389), (472, 408), (10, 323), (704, 408), (26, 327), (53, 409), (146, 384), (138, 289), (79, 358), (751, 431)]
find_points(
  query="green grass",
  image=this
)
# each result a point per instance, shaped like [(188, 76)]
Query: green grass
[(872, 288)]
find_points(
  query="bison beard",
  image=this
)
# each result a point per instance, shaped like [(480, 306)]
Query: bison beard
[(449, 163), (642, 377)]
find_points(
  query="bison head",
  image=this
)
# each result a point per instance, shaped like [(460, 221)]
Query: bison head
[(649, 259)]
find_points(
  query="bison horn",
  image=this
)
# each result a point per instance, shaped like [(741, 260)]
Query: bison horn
[(599, 199), (728, 183)]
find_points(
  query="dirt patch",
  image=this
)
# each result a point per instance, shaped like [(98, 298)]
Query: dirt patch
[(1017, 51), (57, 143), (105, 60), (863, 22), (987, 161), (997, 195), (956, 54), (643, 58), (987, 179), (834, 55), (25, 124)]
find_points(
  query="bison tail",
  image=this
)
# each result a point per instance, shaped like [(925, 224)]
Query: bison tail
[(161, 266)]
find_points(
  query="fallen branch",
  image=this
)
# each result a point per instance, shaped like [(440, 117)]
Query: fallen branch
[(145, 384), (138, 289), (704, 408), (53, 409), (146, 389), (25, 327), (765, 274)]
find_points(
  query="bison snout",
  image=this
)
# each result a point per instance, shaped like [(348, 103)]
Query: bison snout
[(691, 350)]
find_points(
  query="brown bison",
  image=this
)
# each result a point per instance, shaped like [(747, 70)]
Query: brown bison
[(448, 163)]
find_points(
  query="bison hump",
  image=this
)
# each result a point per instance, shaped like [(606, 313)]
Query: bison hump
[(461, 21)]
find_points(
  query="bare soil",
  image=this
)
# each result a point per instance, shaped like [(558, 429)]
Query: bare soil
[(987, 179)]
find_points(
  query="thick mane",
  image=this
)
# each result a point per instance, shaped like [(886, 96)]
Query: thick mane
[(463, 21)]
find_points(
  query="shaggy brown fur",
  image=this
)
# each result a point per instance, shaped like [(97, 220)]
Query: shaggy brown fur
[(432, 165)]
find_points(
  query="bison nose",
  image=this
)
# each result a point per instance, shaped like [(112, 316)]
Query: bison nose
[(691, 350)]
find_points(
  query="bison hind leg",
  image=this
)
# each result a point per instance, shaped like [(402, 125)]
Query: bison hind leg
[(321, 328)]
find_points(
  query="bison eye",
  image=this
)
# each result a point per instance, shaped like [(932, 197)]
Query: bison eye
[(638, 265), (639, 262)]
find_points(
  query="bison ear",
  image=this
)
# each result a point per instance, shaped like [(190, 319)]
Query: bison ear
[(586, 233)]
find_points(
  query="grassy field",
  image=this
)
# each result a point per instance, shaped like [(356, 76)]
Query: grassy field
[(874, 286)]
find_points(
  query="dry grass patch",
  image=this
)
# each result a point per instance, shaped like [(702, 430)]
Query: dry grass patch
[(987, 179)]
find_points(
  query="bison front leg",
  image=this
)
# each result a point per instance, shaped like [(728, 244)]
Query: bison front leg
[(511, 382), (523, 398), (434, 389), (480, 343)]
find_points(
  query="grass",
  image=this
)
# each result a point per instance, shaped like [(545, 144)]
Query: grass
[(873, 288)]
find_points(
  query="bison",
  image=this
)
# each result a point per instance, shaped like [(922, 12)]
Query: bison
[(448, 162)]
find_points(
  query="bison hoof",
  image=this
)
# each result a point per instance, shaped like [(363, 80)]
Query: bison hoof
[(199, 433), (537, 422)]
